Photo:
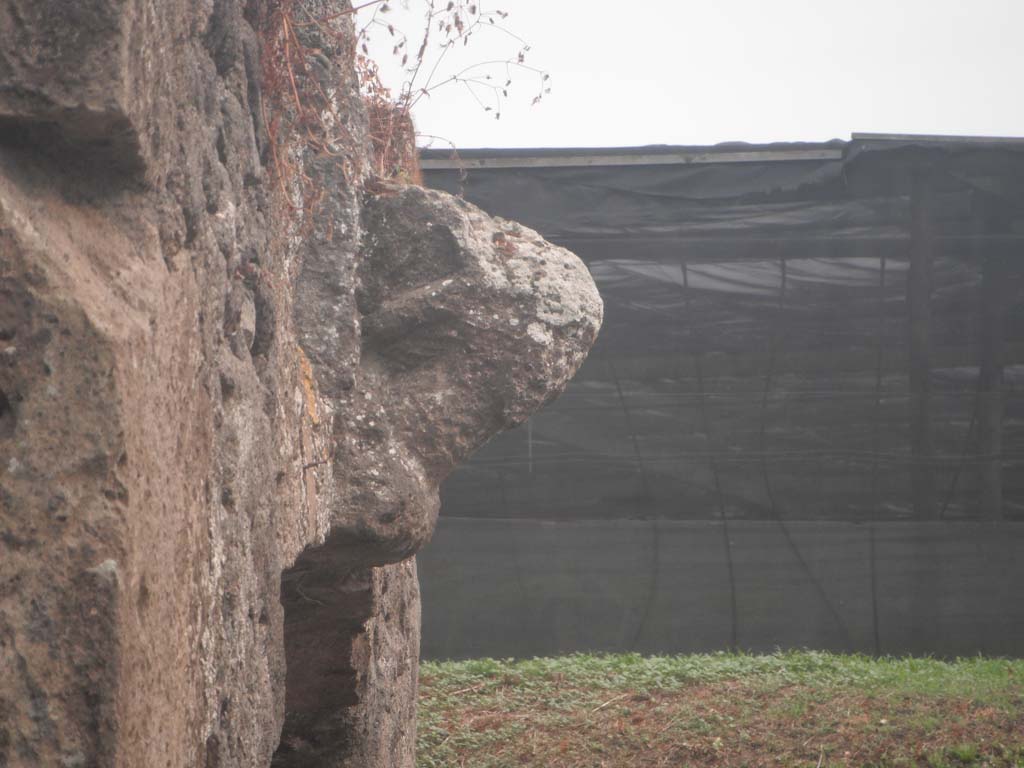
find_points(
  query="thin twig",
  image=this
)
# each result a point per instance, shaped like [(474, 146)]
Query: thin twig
[(610, 701), (288, 62), (476, 687), (273, 153), (350, 11), (422, 49)]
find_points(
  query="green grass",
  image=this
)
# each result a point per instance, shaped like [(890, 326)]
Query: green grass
[(787, 708), (974, 676)]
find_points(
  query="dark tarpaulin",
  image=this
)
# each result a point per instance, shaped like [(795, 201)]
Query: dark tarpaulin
[(757, 358)]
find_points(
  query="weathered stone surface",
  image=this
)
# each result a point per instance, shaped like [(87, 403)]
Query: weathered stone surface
[(220, 441), (150, 477), (468, 325), (105, 82)]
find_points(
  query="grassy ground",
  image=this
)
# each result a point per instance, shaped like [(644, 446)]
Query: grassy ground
[(787, 709)]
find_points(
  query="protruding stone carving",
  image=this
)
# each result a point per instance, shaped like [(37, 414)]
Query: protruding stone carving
[(469, 324)]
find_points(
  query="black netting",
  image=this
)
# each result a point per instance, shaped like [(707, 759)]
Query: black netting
[(756, 357)]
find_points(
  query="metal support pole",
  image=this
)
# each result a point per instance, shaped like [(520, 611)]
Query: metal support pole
[(919, 288)]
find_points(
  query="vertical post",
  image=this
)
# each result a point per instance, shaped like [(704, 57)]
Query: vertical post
[(875, 449), (990, 388), (919, 288)]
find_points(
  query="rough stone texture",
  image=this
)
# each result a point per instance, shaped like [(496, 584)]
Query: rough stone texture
[(104, 78), (150, 477), (468, 325), (216, 453)]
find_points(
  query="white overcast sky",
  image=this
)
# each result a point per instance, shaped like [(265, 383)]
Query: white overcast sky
[(706, 71)]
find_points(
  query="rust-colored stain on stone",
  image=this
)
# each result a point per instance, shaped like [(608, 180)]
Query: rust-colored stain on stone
[(308, 387)]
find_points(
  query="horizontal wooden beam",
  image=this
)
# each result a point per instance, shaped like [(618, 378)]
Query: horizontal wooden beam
[(613, 159)]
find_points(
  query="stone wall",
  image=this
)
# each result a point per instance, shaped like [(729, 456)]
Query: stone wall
[(223, 423)]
